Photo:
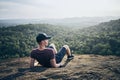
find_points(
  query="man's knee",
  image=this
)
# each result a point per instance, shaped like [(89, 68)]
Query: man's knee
[(66, 46), (52, 44)]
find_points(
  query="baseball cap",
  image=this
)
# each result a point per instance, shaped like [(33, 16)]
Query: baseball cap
[(42, 36)]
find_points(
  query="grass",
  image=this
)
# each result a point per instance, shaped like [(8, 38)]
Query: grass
[(83, 67)]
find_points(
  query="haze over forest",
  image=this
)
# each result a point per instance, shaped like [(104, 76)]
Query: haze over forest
[(76, 22), (72, 13)]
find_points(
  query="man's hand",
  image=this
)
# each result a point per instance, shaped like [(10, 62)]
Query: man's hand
[(36, 63), (32, 62)]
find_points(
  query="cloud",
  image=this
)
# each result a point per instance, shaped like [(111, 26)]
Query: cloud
[(58, 8)]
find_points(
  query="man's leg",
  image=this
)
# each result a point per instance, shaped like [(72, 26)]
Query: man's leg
[(69, 55), (68, 52), (64, 50)]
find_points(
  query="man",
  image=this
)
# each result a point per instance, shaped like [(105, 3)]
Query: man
[(48, 57)]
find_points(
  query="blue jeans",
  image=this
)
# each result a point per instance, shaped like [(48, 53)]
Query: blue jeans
[(60, 55)]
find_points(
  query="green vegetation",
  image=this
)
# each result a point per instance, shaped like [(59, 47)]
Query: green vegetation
[(103, 39)]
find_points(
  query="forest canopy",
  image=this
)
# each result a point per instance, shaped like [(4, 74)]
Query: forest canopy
[(103, 39)]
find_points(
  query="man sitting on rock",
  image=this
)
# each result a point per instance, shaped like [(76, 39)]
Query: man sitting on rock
[(48, 56)]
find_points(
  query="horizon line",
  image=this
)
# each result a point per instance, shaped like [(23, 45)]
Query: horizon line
[(56, 18)]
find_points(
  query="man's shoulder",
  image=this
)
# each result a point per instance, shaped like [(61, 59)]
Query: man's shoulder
[(34, 50), (49, 49)]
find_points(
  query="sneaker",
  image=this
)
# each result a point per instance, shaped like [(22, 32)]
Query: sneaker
[(70, 57)]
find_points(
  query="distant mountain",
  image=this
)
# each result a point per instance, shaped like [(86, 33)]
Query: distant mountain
[(78, 22), (112, 25)]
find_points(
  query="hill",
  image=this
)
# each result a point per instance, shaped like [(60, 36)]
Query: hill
[(103, 39), (83, 67)]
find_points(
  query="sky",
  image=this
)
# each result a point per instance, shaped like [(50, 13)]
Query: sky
[(40, 9)]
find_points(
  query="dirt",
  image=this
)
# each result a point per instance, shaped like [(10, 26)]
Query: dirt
[(82, 67)]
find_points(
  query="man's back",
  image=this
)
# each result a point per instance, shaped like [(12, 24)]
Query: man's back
[(43, 56)]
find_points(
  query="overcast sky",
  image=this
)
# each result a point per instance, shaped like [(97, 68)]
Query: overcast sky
[(31, 9)]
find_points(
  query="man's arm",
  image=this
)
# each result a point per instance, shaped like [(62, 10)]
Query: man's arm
[(54, 64), (32, 61)]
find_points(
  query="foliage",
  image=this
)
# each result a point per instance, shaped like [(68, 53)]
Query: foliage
[(104, 39)]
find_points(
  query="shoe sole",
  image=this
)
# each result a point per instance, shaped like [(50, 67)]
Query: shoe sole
[(70, 58)]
